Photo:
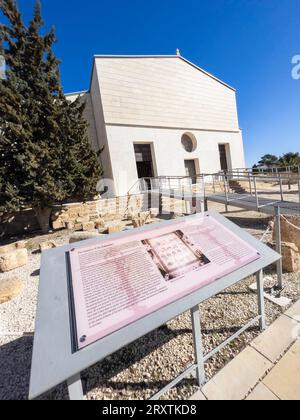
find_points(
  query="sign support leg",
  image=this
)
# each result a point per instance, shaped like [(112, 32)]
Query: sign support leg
[(75, 388), (261, 300), (198, 347), (278, 247), (205, 204)]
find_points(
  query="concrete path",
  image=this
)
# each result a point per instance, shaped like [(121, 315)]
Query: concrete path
[(268, 369)]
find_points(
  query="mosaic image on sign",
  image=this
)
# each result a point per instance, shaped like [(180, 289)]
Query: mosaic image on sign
[(175, 254)]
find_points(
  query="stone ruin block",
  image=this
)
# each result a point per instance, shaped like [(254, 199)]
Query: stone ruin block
[(290, 257), (12, 260)]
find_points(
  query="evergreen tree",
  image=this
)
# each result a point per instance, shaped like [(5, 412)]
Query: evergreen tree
[(45, 154), (268, 160), (290, 160)]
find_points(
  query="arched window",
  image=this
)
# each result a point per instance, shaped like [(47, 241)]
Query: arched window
[(189, 142)]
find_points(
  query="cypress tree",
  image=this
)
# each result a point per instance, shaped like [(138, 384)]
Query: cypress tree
[(45, 154)]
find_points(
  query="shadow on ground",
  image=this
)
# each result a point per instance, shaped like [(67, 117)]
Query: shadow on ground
[(15, 364)]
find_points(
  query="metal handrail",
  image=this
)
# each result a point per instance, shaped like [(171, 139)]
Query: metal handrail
[(225, 179), (166, 183), (271, 169)]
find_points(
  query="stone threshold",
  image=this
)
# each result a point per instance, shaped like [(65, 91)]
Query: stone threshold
[(268, 369)]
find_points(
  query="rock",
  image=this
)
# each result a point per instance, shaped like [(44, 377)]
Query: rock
[(145, 214), (13, 260), (141, 219), (131, 215), (290, 230), (94, 216), (136, 222), (73, 213), (154, 212), (88, 226), (58, 224), (115, 229), (83, 236), (83, 219), (12, 247), (44, 246), (103, 231), (55, 215), (64, 217), (70, 225), (9, 289), (78, 226), (290, 257), (99, 223)]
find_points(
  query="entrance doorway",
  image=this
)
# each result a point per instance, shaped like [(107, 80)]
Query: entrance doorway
[(144, 161), (223, 157), (190, 170)]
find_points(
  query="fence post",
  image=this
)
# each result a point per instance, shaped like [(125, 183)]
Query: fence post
[(256, 194), (214, 184), (250, 184), (281, 189), (226, 193)]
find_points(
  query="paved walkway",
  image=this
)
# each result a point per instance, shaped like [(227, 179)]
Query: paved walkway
[(268, 369)]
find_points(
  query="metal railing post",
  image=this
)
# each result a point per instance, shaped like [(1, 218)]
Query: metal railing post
[(281, 188), (226, 193), (250, 184), (256, 193), (214, 184)]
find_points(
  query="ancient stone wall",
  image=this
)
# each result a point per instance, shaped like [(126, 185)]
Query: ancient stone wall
[(89, 214)]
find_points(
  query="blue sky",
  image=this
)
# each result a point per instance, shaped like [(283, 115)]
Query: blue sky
[(247, 43)]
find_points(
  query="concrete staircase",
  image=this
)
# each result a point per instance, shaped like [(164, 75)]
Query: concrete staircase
[(236, 187)]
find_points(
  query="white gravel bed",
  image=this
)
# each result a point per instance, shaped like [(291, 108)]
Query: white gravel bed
[(144, 367)]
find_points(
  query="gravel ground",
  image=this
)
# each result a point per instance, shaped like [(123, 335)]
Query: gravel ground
[(144, 367)]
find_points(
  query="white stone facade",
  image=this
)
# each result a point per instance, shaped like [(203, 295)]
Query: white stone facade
[(155, 101)]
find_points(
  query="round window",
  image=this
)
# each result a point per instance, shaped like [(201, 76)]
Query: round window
[(189, 142)]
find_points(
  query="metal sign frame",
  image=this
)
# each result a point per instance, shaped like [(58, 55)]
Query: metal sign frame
[(53, 361)]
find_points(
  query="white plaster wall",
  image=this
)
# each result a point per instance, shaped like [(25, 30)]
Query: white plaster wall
[(164, 92), (169, 155)]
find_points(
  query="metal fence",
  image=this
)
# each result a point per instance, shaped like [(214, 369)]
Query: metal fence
[(258, 189), (264, 190), (270, 170), (169, 183)]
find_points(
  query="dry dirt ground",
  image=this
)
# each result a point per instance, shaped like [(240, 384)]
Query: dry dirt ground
[(141, 369)]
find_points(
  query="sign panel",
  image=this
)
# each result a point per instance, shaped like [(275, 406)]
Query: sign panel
[(118, 281)]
